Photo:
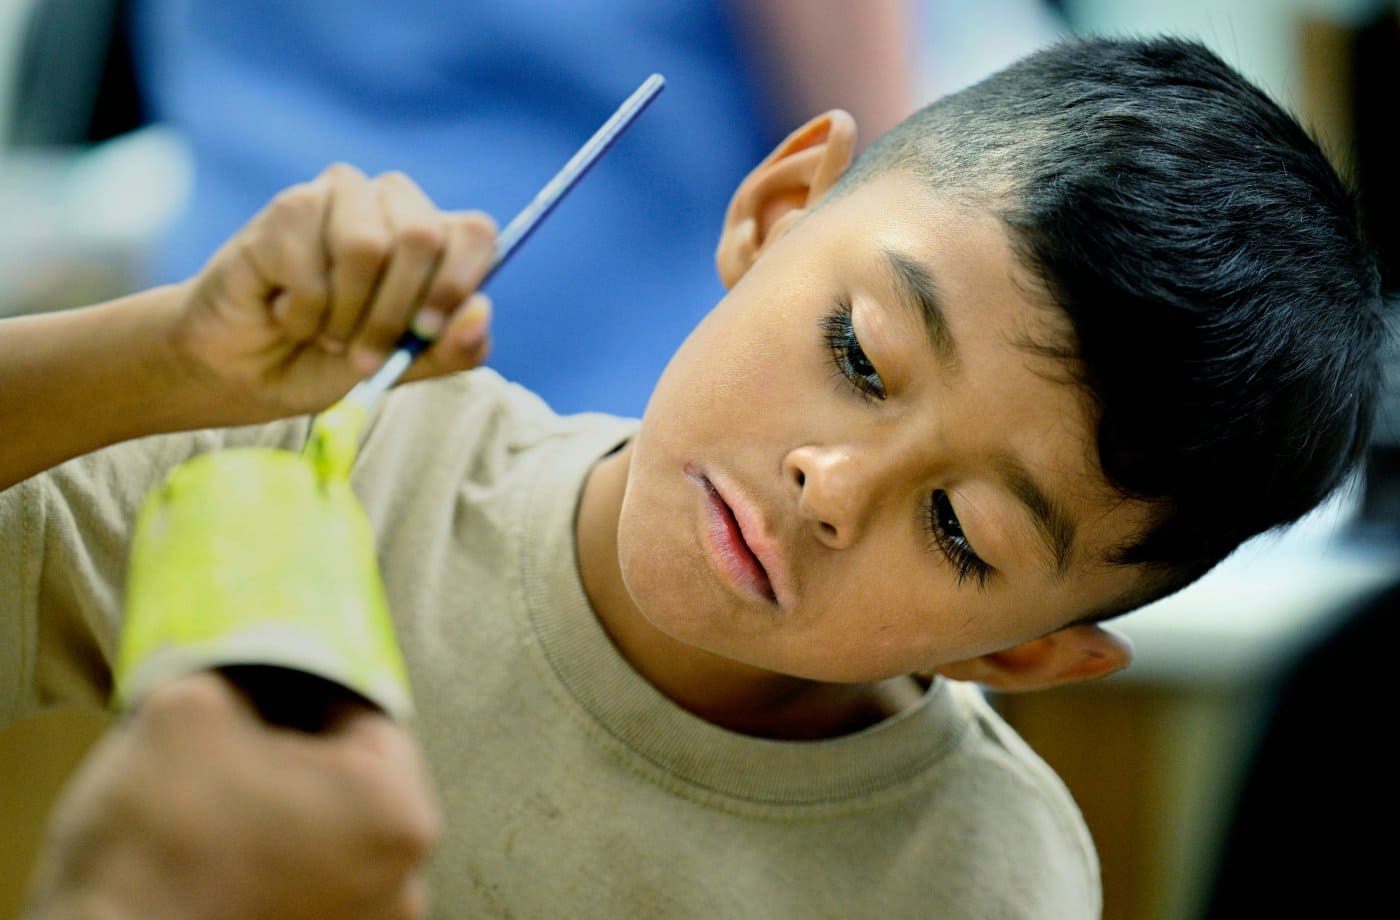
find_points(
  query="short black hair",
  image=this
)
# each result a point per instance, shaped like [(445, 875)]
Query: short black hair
[(1225, 310)]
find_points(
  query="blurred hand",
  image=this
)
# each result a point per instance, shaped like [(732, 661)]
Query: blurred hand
[(313, 293), (193, 807)]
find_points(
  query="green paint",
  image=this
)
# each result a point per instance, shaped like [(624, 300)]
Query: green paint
[(334, 439)]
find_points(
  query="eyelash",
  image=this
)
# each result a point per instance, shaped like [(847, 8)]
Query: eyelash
[(948, 536), (940, 520), (848, 355)]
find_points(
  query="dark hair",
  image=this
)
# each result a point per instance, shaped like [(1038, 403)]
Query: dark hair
[(1224, 308)]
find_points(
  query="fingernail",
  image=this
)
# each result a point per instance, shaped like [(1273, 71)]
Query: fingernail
[(367, 360), (428, 323), (473, 322)]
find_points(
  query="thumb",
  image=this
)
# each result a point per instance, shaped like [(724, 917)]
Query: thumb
[(463, 343)]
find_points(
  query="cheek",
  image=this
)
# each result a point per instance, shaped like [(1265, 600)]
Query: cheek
[(756, 330), (641, 577), (882, 625), (650, 559), (871, 623), (647, 527)]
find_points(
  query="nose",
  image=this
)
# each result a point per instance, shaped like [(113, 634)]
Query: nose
[(835, 488)]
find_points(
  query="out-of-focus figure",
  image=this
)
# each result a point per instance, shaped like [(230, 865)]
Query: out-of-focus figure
[(482, 102)]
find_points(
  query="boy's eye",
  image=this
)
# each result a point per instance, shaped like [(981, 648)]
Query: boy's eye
[(848, 355), (948, 536)]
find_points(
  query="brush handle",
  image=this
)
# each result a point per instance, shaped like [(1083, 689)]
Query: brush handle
[(368, 392)]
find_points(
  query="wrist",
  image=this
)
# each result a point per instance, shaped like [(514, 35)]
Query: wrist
[(163, 387), (195, 395), (189, 391)]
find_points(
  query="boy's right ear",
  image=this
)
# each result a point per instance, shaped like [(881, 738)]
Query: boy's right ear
[(1065, 656), (783, 187)]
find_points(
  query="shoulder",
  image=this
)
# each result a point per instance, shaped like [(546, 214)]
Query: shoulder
[(1002, 829), (473, 438), (480, 405), (105, 487)]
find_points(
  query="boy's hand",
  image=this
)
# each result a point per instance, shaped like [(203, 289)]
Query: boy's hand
[(193, 807), (313, 293)]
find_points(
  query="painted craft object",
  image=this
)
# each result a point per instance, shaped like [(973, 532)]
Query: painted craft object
[(258, 559)]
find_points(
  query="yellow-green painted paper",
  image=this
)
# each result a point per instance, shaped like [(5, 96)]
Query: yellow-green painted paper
[(261, 556)]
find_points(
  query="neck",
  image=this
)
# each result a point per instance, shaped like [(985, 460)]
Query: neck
[(728, 693)]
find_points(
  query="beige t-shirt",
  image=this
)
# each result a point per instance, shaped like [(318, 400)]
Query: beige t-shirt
[(570, 785)]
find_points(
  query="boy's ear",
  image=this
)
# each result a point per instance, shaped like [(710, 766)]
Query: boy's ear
[(790, 180), (1066, 656)]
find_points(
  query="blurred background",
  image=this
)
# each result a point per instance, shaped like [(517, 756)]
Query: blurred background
[(1231, 771)]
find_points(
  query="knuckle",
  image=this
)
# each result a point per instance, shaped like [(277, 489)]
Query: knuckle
[(363, 247), (404, 821), (300, 202), (421, 236), (396, 185), (380, 331), (447, 293), (342, 171), (478, 225), (410, 839), (195, 696)]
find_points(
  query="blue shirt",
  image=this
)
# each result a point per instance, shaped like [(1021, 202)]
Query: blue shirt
[(481, 103)]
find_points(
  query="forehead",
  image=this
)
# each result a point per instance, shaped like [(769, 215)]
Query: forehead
[(956, 233), (901, 234)]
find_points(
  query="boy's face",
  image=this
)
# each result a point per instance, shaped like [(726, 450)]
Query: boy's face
[(829, 486)]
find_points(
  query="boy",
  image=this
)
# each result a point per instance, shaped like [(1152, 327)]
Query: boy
[(1049, 350)]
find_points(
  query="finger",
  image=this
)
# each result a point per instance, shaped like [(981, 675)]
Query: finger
[(357, 237), (285, 245), (376, 756), (405, 899), (201, 703), (417, 232), (416, 898), (464, 344), (467, 252), (410, 902), (341, 714), (368, 731)]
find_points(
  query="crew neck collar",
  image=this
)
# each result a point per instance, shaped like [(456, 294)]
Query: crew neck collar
[(677, 747)]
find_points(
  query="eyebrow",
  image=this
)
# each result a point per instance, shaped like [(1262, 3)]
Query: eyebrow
[(1052, 524), (919, 293)]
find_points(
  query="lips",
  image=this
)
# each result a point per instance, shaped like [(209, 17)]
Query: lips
[(733, 551)]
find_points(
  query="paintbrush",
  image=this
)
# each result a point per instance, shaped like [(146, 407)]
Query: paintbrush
[(369, 391)]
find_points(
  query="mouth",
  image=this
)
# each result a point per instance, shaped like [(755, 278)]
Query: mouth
[(731, 550)]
